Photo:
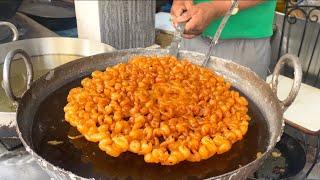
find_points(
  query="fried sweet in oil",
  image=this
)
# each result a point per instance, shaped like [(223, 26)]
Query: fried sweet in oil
[(165, 109)]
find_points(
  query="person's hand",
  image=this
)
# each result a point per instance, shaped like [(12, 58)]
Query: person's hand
[(178, 7), (198, 17)]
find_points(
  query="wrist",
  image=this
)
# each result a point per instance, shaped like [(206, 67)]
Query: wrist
[(180, 1), (219, 8)]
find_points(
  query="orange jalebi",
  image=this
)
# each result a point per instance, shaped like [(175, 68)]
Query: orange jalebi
[(165, 109)]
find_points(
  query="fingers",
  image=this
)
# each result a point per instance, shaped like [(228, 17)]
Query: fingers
[(176, 11), (179, 19), (191, 29), (182, 18), (186, 16), (179, 15), (174, 20), (191, 26), (178, 7), (188, 4)]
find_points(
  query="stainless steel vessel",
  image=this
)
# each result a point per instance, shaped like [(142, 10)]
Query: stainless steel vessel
[(46, 54), (12, 27)]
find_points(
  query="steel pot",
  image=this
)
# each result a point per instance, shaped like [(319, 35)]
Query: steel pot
[(40, 109)]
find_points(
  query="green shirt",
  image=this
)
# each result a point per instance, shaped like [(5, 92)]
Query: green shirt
[(253, 22)]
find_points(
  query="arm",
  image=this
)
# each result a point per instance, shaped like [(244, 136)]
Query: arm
[(223, 6), (199, 16)]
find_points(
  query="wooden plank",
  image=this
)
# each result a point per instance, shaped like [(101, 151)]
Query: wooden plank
[(127, 24)]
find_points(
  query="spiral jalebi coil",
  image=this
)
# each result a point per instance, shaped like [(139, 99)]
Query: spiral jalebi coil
[(165, 109)]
